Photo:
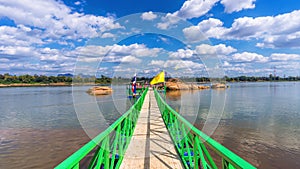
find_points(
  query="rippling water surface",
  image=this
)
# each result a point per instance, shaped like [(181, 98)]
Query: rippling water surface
[(260, 122), (41, 126)]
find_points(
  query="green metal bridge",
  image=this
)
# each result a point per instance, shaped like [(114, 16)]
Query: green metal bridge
[(168, 141)]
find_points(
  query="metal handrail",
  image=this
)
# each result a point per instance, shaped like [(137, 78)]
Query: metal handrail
[(190, 142), (110, 145)]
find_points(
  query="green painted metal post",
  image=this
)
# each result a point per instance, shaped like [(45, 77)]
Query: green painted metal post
[(122, 127), (193, 137), (190, 142)]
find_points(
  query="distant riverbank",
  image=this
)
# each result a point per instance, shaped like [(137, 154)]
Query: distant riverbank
[(108, 84), (45, 85)]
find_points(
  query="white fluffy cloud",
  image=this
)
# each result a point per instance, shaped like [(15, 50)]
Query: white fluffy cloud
[(19, 36), (220, 49), (255, 64), (237, 5), (189, 9), (115, 53), (290, 66), (226, 64), (77, 3), (205, 29), (281, 41), (51, 60), (157, 62), (148, 15), (41, 23), (18, 51), (249, 57), (55, 19), (183, 64), (107, 35), (176, 64), (195, 8), (35, 60), (182, 53), (194, 34), (274, 31), (167, 21), (284, 57), (143, 51), (130, 59), (137, 50)]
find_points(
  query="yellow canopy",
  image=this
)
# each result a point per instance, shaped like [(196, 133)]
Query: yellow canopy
[(159, 78)]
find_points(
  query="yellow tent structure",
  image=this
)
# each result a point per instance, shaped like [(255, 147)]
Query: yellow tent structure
[(159, 78)]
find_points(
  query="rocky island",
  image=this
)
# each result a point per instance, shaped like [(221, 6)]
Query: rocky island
[(100, 90), (177, 84)]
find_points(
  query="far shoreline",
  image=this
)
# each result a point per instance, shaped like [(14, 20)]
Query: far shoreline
[(48, 85), (99, 84)]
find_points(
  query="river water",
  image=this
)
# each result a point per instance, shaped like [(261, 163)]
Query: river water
[(41, 126)]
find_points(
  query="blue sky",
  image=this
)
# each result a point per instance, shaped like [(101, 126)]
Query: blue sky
[(120, 38)]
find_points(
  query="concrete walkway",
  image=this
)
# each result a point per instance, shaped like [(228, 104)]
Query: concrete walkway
[(151, 145)]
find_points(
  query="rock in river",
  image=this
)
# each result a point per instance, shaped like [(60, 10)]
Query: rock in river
[(177, 84), (100, 90)]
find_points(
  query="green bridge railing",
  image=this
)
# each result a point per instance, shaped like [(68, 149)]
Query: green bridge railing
[(108, 148), (191, 143)]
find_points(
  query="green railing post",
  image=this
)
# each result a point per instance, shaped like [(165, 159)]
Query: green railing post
[(106, 150), (194, 141)]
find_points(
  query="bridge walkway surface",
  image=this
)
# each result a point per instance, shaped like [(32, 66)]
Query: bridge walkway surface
[(151, 145)]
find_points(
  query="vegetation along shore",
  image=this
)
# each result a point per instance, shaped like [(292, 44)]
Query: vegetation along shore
[(8, 80)]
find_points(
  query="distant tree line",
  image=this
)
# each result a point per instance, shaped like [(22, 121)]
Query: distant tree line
[(42, 79), (256, 79), (68, 79), (31, 79), (242, 79)]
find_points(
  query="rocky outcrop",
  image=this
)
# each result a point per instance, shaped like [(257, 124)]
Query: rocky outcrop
[(177, 84), (100, 90), (219, 86), (203, 87)]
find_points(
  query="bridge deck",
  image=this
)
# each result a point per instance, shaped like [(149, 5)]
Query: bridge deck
[(151, 145)]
